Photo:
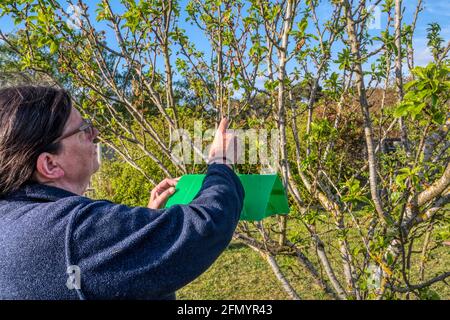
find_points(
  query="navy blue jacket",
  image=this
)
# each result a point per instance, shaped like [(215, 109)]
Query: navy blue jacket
[(122, 252)]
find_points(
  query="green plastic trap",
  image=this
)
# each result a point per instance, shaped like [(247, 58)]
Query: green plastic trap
[(264, 194)]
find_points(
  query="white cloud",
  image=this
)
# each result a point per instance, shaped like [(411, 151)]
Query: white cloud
[(422, 54), (422, 57)]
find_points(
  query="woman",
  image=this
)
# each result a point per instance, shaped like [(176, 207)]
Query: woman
[(57, 244)]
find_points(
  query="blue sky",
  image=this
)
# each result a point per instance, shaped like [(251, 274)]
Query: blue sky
[(435, 11)]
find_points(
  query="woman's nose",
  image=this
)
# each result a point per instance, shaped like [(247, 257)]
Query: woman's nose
[(95, 135)]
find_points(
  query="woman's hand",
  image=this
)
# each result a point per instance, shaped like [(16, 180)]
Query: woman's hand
[(224, 148), (161, 193)]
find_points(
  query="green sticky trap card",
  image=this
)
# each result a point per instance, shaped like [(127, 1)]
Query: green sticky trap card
[(264, 194)]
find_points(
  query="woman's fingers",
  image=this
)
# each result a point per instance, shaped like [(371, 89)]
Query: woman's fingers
[(165, 184), (161, 199), (223, 126), (220, 147), (160, 194)]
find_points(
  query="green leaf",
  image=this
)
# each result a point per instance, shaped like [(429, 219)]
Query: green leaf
[(401, 110), (53, 47)]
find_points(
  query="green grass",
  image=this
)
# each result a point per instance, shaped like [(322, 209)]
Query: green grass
[(241, 273)]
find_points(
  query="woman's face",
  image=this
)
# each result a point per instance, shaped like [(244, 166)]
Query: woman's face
[(78, 156)]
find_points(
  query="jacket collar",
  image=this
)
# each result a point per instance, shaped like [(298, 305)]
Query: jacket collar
[(39, 192)]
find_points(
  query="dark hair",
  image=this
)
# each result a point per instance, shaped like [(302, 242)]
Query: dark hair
[(31, 118)]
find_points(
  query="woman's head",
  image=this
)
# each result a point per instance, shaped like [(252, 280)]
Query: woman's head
[(32, 121)]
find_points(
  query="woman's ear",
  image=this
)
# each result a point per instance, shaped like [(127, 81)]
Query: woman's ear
[(48, 168)]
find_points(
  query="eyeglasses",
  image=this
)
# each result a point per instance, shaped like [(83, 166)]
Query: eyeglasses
[(87, 127)]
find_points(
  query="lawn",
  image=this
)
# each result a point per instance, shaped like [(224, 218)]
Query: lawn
[(241, 273)]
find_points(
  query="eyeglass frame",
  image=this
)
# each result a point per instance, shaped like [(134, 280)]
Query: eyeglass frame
[(87, 125)]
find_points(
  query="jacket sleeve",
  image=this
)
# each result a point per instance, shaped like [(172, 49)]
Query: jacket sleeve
[(140, 253)]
